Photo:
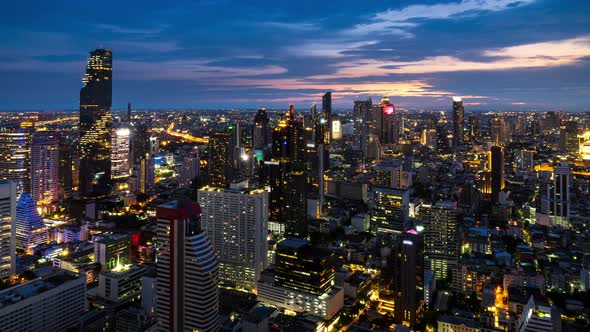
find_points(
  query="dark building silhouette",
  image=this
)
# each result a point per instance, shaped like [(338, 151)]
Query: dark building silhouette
[(327, 117), (497, 170), (96, 124), (220, 159), (458, 122), (261, 135)]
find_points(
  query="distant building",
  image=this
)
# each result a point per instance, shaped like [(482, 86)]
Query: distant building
[(112, 250), (120, 155), (220, 159), (121, 284), (45, 171), (390, 210), (8, 227), (458, 122), (261, 135), (52, 303), (15, 156), (187, 277), (555, 199)]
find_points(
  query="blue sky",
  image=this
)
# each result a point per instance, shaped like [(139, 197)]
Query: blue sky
[(497, 54)]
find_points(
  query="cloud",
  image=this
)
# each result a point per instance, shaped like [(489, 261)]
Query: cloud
[(538, 55), (398, 21), (327, 48), (189, 70), (293, 26), (144, 45), (131, 31)]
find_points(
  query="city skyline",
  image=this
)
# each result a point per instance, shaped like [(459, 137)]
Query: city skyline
[(418, 53)]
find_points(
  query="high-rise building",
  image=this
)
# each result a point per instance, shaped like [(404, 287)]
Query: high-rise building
[(499, 130), (406, 303), (112, 250), (51, 303), (362, 112), (7, 229), (474, 128), (569, 137), (497, 171), (219, 165), (302, 280), (190, 170), (120, 155), (524, 160), (15, 156), (261, 135), (386, 123), (30, 228), (326, 120), (95, 125), (187, 274), (236, 222), (45, 171), (441, 242), (390, 210), (458, 122), (140, 143), (67, 171), (555, 200)]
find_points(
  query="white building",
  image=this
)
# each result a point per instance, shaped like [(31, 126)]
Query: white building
[(538, 318), (120, 162), (7, 229), (187, 295), (236, 222), (53, 303)]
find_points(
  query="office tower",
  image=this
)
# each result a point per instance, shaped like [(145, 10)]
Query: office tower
[(261, 135), (499, 130), (220, 159), (112, 250), (121, 284), (442, 139), (537, 317), (7, 229), (362, 111), (389, 173), (458, 122), (389, 210), (120, 164), (569, 137), (405, 263), (187, 275), (326, 120), (95, 125), (236, 222), (66, 170), (524, 160), (143, 175), (441, 242), (15, 156), (190, 170), (129, 112), (474, 128), (497, 171), (51, 303), (302, 280), (140, 143), (30, 229), (45, 171), (556, 200)]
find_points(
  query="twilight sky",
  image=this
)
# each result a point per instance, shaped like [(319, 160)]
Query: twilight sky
[(497, 54)]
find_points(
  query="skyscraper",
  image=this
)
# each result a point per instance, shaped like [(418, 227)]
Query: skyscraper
[(405, 263), (187, 273), (236, 222), (120, 154), (7, 229), (30, 229), (261, 135), (441, 242), (458, 122), (220, 159), (362, 125), (555, 199), (45, 170), (569, 137), (390, 210), (15, 156), (327, 117), (95, 125), (497, 171)]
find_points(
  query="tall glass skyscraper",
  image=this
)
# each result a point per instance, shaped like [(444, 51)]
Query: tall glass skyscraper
[(30, 229), (95, 125), (458, 122)]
